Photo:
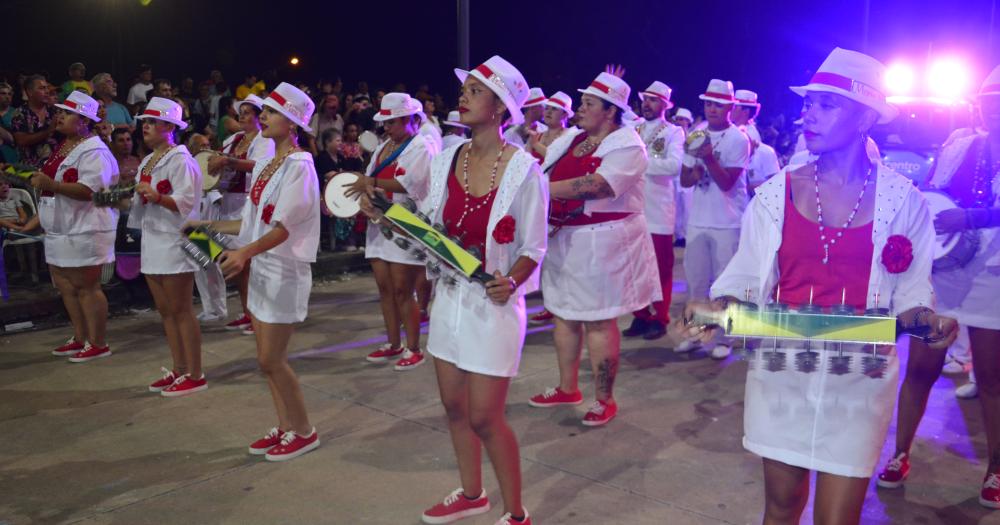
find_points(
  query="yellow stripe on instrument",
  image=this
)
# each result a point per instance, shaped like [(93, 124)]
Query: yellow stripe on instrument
[(437, 241), (747, 322), (207, 245)]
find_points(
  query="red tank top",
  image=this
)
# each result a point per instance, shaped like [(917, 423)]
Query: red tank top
[(571, 167), (388, 173), (51, 166), (800, 261), (473, 229)]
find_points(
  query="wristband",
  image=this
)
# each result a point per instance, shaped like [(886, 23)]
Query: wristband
[(513, 282)]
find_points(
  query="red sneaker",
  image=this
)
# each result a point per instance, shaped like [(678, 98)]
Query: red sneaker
[(384, 353), (506, 519), (541, 317), (554, 397), (269, 441), (455, 507), (239, 324), (410, 360), (600, 413), (168, 379), (895, 472), (71, 347), (292, 446), (184, 386), (990, 495), (248, 330), (89, 353)]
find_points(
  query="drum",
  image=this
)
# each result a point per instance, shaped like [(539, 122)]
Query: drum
[(951, 250), (208, 180), (336, 201), (695, 140), (368, 141)]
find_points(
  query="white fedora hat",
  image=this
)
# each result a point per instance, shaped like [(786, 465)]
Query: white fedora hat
[(660, 90), (720, 91), (251, 99), (164, 109), (610, 88), (293, 103), (505, 80), (395, 105), (856, 76), (454, 119), (82, 104), (536, 97), (745, 97), (991, 86), (684, 113), (560, 100)]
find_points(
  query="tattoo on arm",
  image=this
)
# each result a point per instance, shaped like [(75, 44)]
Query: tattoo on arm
[(607, 370), (589, 187)]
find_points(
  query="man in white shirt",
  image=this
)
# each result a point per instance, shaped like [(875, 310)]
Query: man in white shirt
[(716, 172), (534, 110), (138, 92), (665, 150), (763, 159)]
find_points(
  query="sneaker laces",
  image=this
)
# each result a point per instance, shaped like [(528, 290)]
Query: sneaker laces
[(450, 499), (597, 408), (385, 348), (896, 463), (508, 519), (549, 393), (166, 373), (180, 379), (273, 433), (992, 481)]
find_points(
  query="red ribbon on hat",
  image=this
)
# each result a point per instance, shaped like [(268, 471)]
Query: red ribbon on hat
[(742, 101), (533, 101), (846, 83), (557, 101), (278, 98), (485, 70), (657, 95), (69, 104), (385, 112), (153, 112), (724, 96), (600, 86)]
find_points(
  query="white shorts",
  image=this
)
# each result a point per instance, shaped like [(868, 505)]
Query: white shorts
[(79, 250), (279, 289), (162, 253), (601, 271), (475, 335), (378, 247)]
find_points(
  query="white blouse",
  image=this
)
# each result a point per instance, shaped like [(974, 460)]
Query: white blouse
[(96, 169)]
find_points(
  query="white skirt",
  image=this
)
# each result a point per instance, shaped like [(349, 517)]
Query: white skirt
[(602, 271), (475, 335), (820, 420), (79, 250), (970, 294), (162, 253), (378, 247), (279, 289)]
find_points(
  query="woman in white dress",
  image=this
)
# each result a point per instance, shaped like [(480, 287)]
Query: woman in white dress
[(840, 230), (167, 196)]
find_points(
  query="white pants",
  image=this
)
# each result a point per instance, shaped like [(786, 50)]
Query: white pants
[(682, 203), (706, 253), (212, 290)]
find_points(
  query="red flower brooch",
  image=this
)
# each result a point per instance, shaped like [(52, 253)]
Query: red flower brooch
[(400, 171), (266, 213), (897, 254), (71, 175), (163, 187), (590, 165), (503, 233)]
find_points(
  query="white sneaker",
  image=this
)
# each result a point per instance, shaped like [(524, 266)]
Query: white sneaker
[(953, 366), (206, 317), (721, 351), (967, 391), (688, 345)]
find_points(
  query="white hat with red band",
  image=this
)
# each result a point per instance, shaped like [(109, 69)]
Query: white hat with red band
[(251, 99), (560, 100), (293, 103), (660, 90), (991, 86), (502, 78), (164, 109), (745, 97), (720, 91), (395, 105), (611, 88), (684, 113), (536, 97), (454, 119), (856, 76), (82, 104)]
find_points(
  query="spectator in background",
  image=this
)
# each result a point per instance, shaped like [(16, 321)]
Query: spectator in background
[(351, 154), (187, 92), (34, 126), (205, 108), (105, 91), (683, 118), (103, 128), (121, 148), (456, 131), (12, 213), (77, 72), (138, 93), (250, 86), (8, 148), (219, 85), (328, 164), (430, 108), (327, 116), (228, 121)]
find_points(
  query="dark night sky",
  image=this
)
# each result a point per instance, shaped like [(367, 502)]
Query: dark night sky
[(764, 46)]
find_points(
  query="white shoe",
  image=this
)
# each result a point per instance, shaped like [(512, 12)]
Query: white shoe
[(953, 366), (721, 351), (206, 317), (967, 391), (688, 345)]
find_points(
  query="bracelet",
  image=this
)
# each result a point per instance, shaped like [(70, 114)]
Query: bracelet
[(513, 282)]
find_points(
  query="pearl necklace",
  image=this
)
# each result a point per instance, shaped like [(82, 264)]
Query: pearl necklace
[(467, 206), (984, 175), (850, 218)]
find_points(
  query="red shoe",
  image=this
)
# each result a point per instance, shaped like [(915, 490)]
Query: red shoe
[(248, 330), (600, 413), (269, 441), (184, 386), (410, 360), (89, 353), (384, 353), (70, 348), (292, 446), (895, 472), (506, 519), (541, 317), (168, 379), (990, 495), (455, 507), (239, 324), (554, 397)]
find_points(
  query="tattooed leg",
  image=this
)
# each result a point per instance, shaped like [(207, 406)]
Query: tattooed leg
[(603, 344)]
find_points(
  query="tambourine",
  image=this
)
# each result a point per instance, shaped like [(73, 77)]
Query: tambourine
[(368, 141), (695, 140), (335, 195)]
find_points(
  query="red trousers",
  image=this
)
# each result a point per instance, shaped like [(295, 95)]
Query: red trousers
[(663, 245)]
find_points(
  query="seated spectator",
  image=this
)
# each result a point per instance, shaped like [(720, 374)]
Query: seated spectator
[(128, 163), (250, 86), (77, 81), (8, 149), (139, 92), (33, 126), (105, 91), (13, 216)]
